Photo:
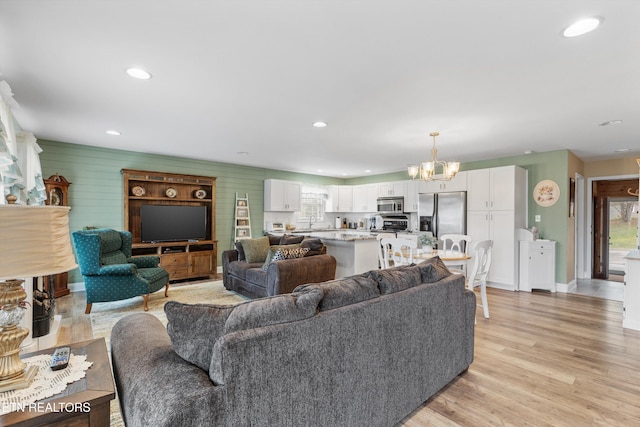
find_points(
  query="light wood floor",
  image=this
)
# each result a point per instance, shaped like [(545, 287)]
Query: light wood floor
[(542, 360)]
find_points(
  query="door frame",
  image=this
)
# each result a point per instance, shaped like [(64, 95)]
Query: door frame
[(588, 230), (580, 234)]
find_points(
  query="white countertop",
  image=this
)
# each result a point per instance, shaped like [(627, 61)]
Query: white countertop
[(633, 255)]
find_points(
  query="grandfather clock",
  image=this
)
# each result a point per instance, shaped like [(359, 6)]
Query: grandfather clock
[(57, 188)]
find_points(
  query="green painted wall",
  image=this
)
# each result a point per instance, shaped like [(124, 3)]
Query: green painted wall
[(96, 191)]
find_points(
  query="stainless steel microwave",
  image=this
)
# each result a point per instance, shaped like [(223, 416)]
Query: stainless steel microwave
[(390, 205)]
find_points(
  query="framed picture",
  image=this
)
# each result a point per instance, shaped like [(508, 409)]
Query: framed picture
[(242, 223), (242, 203), (572, 197), (243, 213), (241, 233)]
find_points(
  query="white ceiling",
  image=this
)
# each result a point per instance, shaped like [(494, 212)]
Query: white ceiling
[(494, 77)]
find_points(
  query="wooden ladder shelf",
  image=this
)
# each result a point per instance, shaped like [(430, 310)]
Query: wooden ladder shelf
[(242, 222)]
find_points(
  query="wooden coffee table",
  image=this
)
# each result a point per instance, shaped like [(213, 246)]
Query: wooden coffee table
[(90, 395)]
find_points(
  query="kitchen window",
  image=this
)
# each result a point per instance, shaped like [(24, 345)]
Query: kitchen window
[(313, 206)]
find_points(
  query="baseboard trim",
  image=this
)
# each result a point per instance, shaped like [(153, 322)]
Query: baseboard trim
[(76, 287)]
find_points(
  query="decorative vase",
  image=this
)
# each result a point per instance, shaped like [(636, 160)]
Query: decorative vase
[(427, 249)]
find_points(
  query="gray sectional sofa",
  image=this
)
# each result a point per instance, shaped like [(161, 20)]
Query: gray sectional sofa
[(365, 350)]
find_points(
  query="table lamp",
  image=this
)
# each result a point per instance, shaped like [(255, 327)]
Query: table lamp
[(34, 241)]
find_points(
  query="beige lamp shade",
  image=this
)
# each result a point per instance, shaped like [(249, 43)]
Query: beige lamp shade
[(34, 241)]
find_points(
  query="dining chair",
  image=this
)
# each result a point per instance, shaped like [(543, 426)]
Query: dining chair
[(381, 249), (456, 243), (398, 251), (481, 266)]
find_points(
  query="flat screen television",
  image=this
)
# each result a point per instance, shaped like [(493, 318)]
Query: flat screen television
[(171, 223)]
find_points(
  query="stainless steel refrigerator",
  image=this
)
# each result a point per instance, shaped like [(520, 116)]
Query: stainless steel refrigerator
[(443, 213)]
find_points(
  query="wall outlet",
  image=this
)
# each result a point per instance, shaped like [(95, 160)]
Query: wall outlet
[(538, 218)]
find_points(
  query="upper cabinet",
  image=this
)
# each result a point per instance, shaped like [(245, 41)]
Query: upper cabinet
[(281, 196), (365, 198), (340, 198), (459, 183), (411, 200), (496, 188), (388, 189)]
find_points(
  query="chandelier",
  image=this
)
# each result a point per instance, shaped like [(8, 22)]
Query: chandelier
[(426, 170)]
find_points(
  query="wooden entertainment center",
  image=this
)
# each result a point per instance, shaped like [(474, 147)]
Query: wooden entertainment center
[(182, 259)]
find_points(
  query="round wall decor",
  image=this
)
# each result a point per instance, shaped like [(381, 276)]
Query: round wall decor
[(546, 193), (200, 194)]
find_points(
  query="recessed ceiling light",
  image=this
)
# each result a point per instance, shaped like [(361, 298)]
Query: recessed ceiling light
[(138, 73), (320, 124), (243, 152), (529, 152), (611, 122), (113, 132), (582, 27), (367, 171), (622, 150)]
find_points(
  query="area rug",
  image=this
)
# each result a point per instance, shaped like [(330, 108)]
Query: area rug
[(105, 315)]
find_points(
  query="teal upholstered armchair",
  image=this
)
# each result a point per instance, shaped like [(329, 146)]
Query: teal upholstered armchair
[(110, 273)]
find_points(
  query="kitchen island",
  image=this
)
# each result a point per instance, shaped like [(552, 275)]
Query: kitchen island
[(356, 252)]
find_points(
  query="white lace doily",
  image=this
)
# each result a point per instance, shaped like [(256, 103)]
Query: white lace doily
[(46, 383)]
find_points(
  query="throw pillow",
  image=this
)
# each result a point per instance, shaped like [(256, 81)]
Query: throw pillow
[(397, 279), (256, 250), (289, 239), (273, 310), (347, 291), (433, 270), (315, 246), (275, 254), (273, 240), (241, 256), (291, 253), (194, 329), (279, 253)]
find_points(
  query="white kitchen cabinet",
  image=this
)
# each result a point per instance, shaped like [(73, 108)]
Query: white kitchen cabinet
[(495, 188), (340, 198), (365, 198), (281, 196), (538, 265), (388, 189), (496, 208), (411, 200), (498, 226), (459, 183)]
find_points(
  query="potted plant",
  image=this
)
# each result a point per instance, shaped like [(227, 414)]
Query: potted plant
[(428, 242)]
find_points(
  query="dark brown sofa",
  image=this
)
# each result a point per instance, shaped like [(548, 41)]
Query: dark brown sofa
[(280, 277)]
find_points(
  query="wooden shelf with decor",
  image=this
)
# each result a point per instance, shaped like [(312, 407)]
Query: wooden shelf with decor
[(182, 259)]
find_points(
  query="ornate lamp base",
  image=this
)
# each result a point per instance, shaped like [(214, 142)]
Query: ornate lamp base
[(12, 369), (21, 381)]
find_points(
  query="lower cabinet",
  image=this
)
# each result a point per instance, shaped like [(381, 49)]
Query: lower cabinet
[(182, 260), (538, 265)]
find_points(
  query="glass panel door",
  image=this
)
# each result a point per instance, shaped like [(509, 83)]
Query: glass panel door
[(623, 231)]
